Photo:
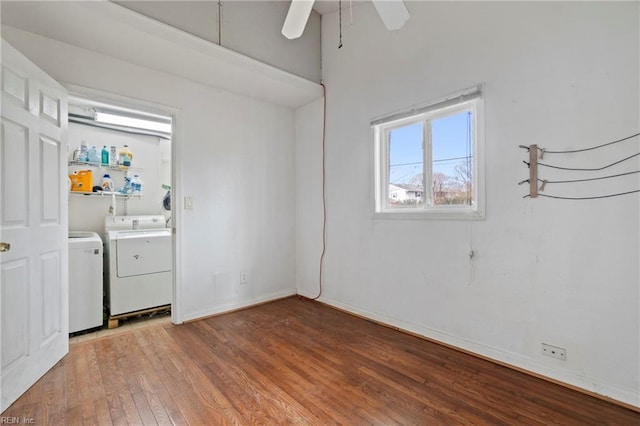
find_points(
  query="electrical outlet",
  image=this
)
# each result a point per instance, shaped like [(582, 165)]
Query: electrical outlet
[(244, 278), (554, 351)]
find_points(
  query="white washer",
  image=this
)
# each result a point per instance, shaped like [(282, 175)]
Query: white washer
[(138, 263), (85, 281)]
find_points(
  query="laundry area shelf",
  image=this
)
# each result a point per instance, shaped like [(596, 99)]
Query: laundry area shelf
[(106, 194), (101, 166)]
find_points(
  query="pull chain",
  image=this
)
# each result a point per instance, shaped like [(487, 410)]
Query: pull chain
[(219, 22), (340, 18)]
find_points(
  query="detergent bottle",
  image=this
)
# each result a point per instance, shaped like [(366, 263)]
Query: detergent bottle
[(126, 156), (107, 183), (105, 156)]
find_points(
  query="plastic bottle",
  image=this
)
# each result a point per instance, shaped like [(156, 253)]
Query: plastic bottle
[(126, 189), (93, 155), (136, 185), (113, 157), (126, 156), (107, 183), (105, 156), (84, 151)]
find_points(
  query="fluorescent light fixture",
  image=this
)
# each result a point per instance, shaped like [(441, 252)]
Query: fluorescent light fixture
[(138, 123)]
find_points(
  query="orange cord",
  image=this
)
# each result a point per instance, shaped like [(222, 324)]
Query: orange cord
[(324, 191)]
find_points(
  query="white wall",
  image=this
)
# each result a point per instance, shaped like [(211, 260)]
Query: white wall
[(309, 212), (235, 157), (562, 75), (248, 27), (86, 213)]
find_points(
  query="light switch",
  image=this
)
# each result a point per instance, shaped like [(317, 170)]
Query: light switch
[(188, 202)]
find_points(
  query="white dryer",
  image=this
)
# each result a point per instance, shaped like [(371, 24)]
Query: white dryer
[(138, 263)]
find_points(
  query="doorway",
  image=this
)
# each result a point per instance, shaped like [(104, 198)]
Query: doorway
[(126, 147)]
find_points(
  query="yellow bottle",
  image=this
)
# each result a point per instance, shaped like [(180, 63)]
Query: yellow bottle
[(125, 156)]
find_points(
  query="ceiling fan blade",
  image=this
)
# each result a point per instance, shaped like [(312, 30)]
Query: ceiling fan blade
[(393, 13), (297, 18)]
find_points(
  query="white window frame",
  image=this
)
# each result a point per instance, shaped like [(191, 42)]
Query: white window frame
[(470, 99)]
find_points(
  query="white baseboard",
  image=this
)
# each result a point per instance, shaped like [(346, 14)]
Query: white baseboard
[(238, 304)]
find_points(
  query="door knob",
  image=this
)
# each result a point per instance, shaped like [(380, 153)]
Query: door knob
[(5, 247)]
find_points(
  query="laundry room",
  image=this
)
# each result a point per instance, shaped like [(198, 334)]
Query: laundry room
[(120, 245)]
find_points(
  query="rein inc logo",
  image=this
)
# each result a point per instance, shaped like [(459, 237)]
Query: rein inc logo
[(6, 420)]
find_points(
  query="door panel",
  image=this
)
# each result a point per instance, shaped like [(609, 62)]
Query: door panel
[(50, 108), (49, 200), (51, 288), (34, 288), (14, 174), (15, 86), (15, 339)]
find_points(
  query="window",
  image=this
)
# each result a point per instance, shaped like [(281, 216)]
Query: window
[(428, 161)]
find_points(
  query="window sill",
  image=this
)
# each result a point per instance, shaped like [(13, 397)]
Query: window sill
[(431, 214)]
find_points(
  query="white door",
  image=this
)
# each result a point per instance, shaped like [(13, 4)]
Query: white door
[(33, 225)]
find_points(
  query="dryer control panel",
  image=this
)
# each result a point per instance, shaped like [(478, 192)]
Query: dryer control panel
[(123, 223)]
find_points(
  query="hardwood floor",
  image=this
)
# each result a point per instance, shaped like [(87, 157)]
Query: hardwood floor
[(293, 362)]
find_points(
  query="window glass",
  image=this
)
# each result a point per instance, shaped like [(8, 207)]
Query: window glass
[(452, 153), (406, 166)]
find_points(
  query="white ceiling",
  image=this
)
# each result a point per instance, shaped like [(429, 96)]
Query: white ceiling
[(329, 6), (326, 6)]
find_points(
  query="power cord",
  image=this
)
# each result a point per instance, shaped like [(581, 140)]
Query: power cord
[(324, 191)]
